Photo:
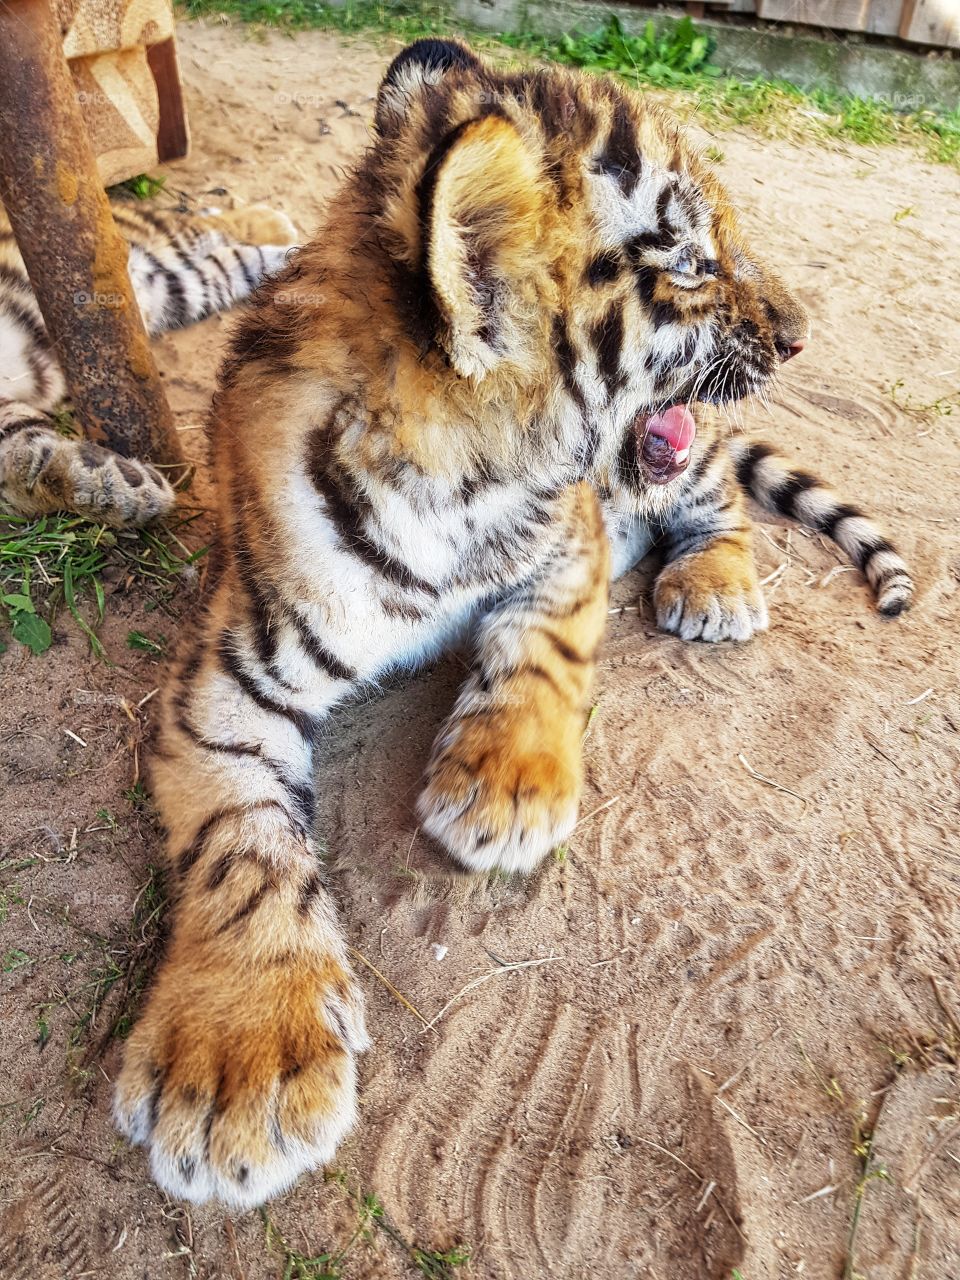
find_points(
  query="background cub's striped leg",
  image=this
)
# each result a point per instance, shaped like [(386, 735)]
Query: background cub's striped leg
[(504, 779), (240, 1073), (177, 287), (182, 267), (708, 588), (185, 266)]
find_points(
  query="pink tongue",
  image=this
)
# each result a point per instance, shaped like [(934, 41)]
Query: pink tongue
[(676, 425)]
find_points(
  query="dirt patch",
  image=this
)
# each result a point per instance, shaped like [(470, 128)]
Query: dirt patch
[(729, 976)]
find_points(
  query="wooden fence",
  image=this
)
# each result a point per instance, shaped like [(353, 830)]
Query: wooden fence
[(927, 22)]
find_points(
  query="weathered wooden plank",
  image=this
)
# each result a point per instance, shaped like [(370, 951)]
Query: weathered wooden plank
[(934, 22), (931, 22), (879, 17), (883, 17), (843, 15)]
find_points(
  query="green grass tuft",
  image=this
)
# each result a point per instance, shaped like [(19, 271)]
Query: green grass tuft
[(137, 640), (406, 19), (54, 560), (436, 1265), (15, 959), (322, 1266)]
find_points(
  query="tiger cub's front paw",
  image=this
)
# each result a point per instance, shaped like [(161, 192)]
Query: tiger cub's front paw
[(494, 798), (240, 1077), (710, 595)]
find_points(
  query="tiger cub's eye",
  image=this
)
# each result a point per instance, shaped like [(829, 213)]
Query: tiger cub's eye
[(688, 264)]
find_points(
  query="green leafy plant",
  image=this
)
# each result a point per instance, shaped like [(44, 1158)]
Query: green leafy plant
[(43, 1029), (9, 897), (925, 411), (143, 186), (25, 623), (61, 559), (671, 58), (321, 1266), (136, 796)]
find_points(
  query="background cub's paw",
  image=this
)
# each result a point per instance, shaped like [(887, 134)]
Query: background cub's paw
[(259, 224), (699, 605), (238, 1079), (492, 807), (42, 471)]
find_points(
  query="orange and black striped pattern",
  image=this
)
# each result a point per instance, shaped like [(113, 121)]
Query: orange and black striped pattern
[(483, 387)]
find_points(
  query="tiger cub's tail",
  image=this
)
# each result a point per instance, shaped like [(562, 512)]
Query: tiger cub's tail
[(770, 480)]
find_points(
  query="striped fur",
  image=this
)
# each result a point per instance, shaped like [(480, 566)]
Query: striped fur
[(182, 267), (451, 411), (781, 488)]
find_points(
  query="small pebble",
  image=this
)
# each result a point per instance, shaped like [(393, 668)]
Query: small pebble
[(438, 949)]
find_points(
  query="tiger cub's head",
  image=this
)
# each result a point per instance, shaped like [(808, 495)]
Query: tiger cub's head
[(558, 239)]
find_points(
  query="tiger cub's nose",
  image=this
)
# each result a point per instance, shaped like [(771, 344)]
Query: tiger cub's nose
[(787, 350)]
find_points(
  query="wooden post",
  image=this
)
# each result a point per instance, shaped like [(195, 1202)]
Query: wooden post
[(75, 257), (173, 138)]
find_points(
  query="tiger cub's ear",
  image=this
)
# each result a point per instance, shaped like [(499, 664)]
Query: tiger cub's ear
[(424, 62), (482, 227)]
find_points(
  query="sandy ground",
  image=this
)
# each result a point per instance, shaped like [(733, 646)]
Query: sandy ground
[(737, 982)]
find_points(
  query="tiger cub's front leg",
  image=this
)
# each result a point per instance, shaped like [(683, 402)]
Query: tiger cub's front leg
[(240, 1073), (708, 588), (504, 779)]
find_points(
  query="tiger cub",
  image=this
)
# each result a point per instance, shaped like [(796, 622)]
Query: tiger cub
[(488, 377), (182, 266)]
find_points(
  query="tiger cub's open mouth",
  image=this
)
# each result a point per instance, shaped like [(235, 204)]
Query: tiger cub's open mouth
[(664, 441)]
